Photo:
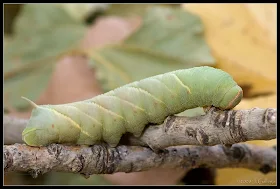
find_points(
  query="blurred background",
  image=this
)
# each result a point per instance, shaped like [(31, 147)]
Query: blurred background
[(60, 53)]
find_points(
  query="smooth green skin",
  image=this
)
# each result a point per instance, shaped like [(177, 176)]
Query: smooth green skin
[(131, 107)]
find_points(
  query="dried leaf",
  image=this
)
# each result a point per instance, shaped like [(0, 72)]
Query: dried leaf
[(269, 101), (244, 177), (241, 46), (100, 34), (266, 16)]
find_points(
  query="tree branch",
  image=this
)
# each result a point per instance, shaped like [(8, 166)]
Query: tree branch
[(101, 159), (13, 128), (216, 127)]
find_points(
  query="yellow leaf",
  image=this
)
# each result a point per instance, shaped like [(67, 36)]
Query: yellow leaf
[(265, 15), (240, 176), (269, 101), (240, 42)]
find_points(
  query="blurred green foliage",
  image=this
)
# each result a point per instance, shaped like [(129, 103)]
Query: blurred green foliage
[(42, 33), (168, 39), (176, 41)]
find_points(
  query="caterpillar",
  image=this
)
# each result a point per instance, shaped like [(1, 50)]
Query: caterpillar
[(129, 108)]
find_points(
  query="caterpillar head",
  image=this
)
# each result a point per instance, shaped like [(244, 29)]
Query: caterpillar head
[(40, 130), (232, 97)]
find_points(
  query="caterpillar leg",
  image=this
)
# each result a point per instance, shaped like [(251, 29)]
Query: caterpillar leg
[(113, 139), (138, 133), (207, 108)]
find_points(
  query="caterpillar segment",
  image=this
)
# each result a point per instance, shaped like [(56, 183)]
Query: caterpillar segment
[(131, 107)]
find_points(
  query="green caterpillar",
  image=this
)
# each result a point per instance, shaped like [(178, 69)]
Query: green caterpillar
[(131, 107)]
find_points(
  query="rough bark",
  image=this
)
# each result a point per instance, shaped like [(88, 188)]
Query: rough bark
[(216, 127), (101, 159), (154, 147)]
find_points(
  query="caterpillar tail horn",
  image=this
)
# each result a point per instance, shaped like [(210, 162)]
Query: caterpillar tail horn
[(30, 101)]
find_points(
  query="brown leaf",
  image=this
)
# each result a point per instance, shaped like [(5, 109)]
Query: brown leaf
[(109, 30), (72, 81)]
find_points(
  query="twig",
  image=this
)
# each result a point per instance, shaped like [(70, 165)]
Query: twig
[(100, 159), (13, 128), (216, 127)]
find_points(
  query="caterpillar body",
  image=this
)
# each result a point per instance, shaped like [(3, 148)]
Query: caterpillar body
[(131, 107)]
